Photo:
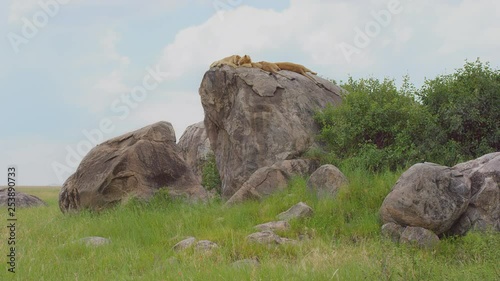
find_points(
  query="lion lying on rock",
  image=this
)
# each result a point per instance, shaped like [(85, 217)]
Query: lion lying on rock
[(298, 68), (231, 61), (269, 67), (274, 68)]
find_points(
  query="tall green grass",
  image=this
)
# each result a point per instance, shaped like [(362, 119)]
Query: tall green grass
[(340, 242)]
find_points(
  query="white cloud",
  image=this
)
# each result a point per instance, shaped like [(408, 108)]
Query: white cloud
[(108, 43), (312, 29), (180, 108), (198, 46), (111, 85), (469, 25), (101, 90)]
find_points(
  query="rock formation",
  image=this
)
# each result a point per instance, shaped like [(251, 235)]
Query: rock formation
[(427, 195), (195, 147), (254, 119), (483, 211), (136, 164), (446, 200)]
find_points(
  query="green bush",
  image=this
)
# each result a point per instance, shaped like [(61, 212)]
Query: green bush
[(210, 178), (466, 105), (452, 118), (378, 126)]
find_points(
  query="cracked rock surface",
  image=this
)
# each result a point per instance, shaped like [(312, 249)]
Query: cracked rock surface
[(427, 195), (447, 201), (255, 120)]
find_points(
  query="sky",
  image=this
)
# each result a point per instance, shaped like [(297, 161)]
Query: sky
[(75, 73)]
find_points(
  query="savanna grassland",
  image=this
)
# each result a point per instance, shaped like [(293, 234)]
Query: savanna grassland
[(340, 242), (377, 132)]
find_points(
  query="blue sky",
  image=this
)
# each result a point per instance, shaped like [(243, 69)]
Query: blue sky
[(72, 73)]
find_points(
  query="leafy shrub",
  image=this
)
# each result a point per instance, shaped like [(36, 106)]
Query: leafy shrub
[(210, 178), (455, 118), (466, 105), (378, 126)]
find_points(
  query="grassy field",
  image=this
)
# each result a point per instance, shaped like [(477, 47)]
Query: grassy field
[(343, 241)]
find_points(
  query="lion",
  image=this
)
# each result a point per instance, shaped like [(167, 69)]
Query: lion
[(245, 61), (231, 61), (298, 68), (269, 67)]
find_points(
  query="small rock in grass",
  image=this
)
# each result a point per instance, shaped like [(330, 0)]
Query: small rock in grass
[(246, 263), (184, 244), (289, 241), (264, 237), (94, 241), (326, 181), (205, 245), (420, 237), (392, 231), (300, 210), (273, 226)]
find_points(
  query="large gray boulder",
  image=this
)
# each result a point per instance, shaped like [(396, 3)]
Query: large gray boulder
[(254, 119), (267, 180), (429, 196), (195, 147), (136, 164), (483, 211)]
